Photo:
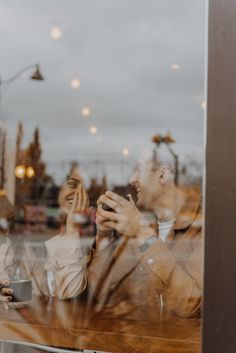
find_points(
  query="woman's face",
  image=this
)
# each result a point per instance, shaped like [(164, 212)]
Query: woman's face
[(67, 193)]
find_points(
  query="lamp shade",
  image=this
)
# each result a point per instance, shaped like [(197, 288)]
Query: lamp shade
[(37, 74)]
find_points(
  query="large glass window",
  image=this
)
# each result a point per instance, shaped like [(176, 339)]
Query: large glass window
[(101, 164)]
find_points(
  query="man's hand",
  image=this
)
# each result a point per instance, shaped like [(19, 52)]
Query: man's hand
[(126, 218), (5, 293), (79, 207), (103, 231)]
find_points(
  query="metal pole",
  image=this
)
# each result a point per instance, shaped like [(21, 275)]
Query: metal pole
[(18, 74)]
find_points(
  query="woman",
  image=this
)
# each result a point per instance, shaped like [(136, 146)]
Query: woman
[(73, 202), (8, 263)]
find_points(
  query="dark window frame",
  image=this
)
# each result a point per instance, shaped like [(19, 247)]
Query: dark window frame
[(219, 329)]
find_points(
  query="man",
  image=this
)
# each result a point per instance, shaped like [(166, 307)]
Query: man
[(73, 202), (133, 274)]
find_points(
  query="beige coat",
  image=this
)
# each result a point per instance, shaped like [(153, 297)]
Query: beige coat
[(126, 282), (32, 264), (65, 262), (68, 265)]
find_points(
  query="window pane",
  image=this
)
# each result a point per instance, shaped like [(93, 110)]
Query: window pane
[(101, 154)]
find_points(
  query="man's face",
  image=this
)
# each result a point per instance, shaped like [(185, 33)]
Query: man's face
[(68, 190), (146, 181)]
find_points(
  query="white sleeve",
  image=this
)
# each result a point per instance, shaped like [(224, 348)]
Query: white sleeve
[(68, 265)]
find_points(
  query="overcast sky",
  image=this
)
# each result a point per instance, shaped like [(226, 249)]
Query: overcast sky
[(122, 52)]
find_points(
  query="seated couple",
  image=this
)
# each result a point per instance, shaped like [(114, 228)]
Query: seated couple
[(132, 272)]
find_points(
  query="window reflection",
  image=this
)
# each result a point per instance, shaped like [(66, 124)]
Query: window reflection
[(101, 190)]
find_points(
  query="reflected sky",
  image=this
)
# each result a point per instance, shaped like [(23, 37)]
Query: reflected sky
[(123, 54)]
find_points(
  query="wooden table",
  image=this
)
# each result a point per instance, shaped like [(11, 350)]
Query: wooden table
[(67, 324)]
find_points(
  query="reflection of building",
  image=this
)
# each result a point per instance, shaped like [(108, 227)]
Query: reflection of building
[(35, 217), (96, 189), (167, 140), (31, 188)]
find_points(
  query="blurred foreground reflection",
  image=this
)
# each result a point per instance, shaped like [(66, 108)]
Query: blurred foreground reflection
[(140, 276)]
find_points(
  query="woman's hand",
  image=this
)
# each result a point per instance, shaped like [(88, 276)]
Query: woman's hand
[(79, 207), (5, 293)]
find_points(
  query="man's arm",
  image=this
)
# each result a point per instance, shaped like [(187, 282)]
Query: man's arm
[(182, 284), (101, 264)]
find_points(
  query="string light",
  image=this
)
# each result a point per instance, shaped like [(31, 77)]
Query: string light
[(175, 67), (125, 152), (203, 105), (86, 111), (93, 130), (75, 83), (56, 33)]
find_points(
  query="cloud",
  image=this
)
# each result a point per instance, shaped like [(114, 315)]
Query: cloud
[(122, 52)]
